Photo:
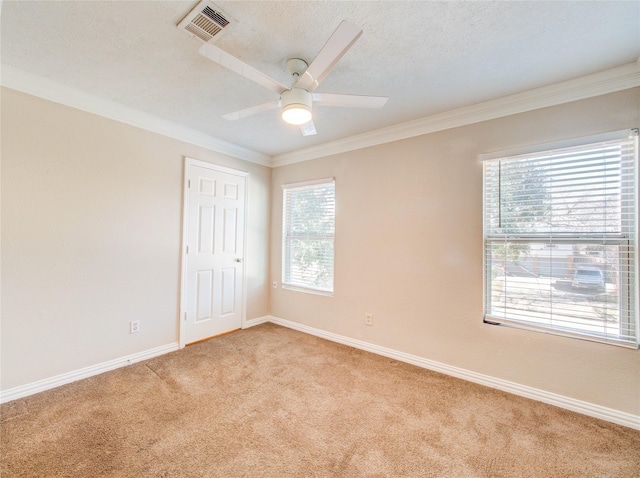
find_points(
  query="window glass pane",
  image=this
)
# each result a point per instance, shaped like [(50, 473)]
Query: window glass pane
[(560, 240), (311, 263), (577, 287), (308, 236), (578, 190), (311, 210)]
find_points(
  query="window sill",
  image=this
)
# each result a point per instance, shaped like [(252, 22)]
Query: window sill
[(611, 340), (296, 288)]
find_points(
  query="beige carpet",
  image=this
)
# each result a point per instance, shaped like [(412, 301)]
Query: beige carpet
[(272, 402)]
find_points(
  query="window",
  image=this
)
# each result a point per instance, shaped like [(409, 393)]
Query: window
[(308, 234), (560, 238)]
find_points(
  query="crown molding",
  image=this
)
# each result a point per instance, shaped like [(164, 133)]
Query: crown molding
[(596, 84), (47, 89)]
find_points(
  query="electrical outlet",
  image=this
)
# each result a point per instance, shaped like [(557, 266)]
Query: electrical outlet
[(368, 318), (275, 284), (134, 326)]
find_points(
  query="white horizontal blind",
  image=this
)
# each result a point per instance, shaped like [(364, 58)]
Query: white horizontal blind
[(308, 236), (560, 241)]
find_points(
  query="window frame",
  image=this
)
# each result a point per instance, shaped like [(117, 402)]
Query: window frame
[(626, 242), (288, 237)]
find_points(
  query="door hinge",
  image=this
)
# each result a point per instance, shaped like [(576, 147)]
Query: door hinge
[(185, 316), (187, 251), (189, 183)]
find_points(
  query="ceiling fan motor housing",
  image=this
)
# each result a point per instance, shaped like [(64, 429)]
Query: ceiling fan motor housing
[(296, 105)]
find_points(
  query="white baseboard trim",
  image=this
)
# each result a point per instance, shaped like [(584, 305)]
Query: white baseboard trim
[(254, 322), (62, 379), (568, 403)]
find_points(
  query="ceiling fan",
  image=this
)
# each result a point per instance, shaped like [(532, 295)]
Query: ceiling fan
[(296, 100)]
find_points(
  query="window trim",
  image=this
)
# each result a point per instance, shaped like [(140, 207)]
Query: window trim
[(565, 143), (630, 238), (283, 282)]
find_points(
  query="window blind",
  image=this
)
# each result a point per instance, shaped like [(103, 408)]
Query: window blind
[(561, 239), (308, 236)]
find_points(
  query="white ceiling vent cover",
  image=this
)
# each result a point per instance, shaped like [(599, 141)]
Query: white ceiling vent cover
[(206, 22)]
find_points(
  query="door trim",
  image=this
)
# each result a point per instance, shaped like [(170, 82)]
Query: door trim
[(188, 162)]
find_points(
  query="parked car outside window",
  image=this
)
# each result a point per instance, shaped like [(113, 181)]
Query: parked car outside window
[(587, 277)]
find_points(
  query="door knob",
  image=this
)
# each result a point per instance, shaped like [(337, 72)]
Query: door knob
[(238, 259)]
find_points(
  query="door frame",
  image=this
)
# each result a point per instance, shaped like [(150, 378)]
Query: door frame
[(188, 162)]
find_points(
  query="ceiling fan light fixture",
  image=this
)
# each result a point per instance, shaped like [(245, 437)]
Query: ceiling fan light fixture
[(296, 106), (296, 114)]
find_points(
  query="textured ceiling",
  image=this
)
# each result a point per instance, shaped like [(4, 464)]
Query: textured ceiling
[(427, 57)]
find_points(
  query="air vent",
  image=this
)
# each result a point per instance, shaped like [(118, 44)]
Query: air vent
[(206, 21)]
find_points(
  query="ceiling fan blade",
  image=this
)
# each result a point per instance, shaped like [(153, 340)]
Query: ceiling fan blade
[(254, 110), (351, 101), (232, 63), (338, 44), (308, 129)]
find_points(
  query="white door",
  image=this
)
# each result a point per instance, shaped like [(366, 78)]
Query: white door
[(213, 270)]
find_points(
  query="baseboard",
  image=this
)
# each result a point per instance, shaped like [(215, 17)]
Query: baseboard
[(254, 322), (62, 379), (568, 403)]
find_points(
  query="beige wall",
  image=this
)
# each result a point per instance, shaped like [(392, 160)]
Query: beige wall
[(409, 250), (91, 231)]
